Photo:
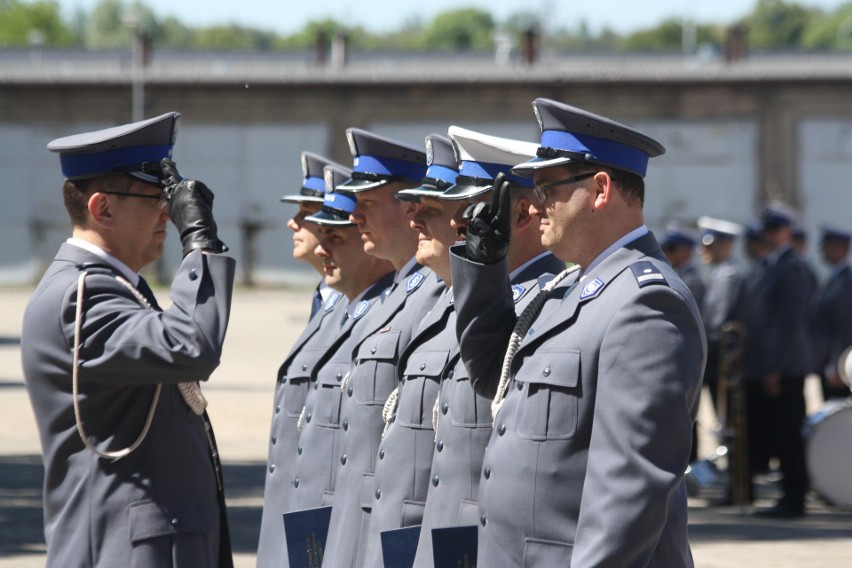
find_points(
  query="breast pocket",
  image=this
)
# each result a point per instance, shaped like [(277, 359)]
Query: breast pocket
[(467, 408), (550, 392), (418, 394), (326, 410), (377, 375)]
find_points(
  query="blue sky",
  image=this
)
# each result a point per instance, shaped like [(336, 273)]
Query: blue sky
[(287, 16)]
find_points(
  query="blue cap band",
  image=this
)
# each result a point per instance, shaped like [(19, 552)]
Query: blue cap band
[(608, 152), (378, 165), (111, 161), (486, 170), (343, 202), (315, 183), (442, 173)]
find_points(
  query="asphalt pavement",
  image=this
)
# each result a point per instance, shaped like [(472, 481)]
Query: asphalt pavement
[(264, 323)]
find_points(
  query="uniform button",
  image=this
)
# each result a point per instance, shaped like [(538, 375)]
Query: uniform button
[(402, 381), (308, 417), (381, 454), (296, 482), (482, 519), (519, 385), (299, 450), (378, 494), (346, 425), (435, 480), (450, 374), (338, 376), (487, 473), (422, 366), (277, 409), (316, 386), (193, 275), (440, 445), (444, 408), (349, 391), (272, 468), (343, 459), (501, 429), (176, 521), (304, 366), (546, 372), (373, 351), (274, 440)]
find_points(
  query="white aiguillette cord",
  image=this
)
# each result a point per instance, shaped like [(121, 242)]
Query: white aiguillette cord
[(190, 392), (522, 326)]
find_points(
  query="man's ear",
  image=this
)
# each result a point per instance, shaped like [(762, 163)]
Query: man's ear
[(100, 211), (604, 189), (521, 213)]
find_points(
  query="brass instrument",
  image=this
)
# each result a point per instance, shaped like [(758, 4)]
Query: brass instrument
[(731, 409)]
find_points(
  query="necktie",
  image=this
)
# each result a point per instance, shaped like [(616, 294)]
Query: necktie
[(146, 291)]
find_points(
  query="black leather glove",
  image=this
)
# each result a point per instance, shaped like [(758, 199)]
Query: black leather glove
[(191, 210), (489, 225)]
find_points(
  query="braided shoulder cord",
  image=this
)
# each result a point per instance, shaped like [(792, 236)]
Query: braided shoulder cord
[(523, 324)]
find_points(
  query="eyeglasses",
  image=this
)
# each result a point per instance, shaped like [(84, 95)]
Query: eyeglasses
[(162, 199), (540, 190)]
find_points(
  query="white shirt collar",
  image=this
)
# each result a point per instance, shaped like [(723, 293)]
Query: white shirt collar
[(524, 266), (640, 231), (125, 270)]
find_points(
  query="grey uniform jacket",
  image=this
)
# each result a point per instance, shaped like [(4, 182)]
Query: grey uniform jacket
[(722, 299), (775, 315), (158, 506), (585, 466), (464, 427), (317, 451), (831, 320), (692, 278), (405, 453), (290, 392), (372, 378)]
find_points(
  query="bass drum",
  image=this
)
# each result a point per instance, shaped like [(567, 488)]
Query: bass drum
[(828, 435)]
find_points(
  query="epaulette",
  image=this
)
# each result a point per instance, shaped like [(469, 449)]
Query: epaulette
[(646, 274), (96, 268)]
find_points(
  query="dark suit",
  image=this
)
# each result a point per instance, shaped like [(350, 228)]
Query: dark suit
[(372, 377), (775, 315), (692, 278), (831, 325), (586, 462), (160, 505), (290, 392), (464, 427)]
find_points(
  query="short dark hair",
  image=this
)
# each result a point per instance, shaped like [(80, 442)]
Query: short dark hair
[(76, 193), (631, 186)]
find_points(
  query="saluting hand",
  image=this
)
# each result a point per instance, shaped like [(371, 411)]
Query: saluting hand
[(191, 210), (489, 224)]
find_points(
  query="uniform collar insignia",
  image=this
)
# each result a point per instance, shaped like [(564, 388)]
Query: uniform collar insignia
[(361, 309), (332, 300), (414, 282), (591, 289), (517, 292)]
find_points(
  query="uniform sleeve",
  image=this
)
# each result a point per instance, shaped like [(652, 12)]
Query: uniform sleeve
[(651, 362), (123, 342), (485, 317)]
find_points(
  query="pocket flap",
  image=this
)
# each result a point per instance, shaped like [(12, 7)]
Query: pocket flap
[(557, 368), (426, 363), (332, 373), (149, 519), (379, 346), (302, 365), (368, 490)]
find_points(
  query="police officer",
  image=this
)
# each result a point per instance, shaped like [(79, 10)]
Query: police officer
[(679, 246), (383, 167), (362, 278), (132, 475), (294, 373), (776, 360), (463, 424), (600, 384), (831, 312)]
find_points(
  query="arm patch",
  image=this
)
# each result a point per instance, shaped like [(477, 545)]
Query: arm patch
[(646, 274)]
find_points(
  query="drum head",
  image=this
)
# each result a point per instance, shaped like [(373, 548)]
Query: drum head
[(844, 366), (828, 454)]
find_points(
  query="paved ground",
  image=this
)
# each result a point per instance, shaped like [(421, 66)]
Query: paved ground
[(264, 323)]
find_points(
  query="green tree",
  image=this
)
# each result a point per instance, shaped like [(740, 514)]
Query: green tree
[(111, 22), (830, 31), (39, 22), (777, 24), (465, 29)]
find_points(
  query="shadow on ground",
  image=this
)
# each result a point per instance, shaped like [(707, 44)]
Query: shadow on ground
[(21, 521)]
